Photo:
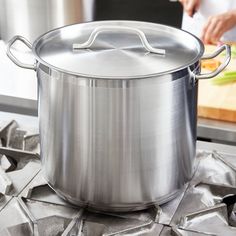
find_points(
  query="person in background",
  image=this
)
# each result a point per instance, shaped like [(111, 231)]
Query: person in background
[(210, 20)]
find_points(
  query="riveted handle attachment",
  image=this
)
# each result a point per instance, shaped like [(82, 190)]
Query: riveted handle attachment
[(116, 28), (13, 58), (221, 67)]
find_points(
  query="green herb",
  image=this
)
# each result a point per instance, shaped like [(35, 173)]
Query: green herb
[(233, 51), (227, 77), (232, 73)]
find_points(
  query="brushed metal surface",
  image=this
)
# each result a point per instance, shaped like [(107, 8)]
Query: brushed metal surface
[(117, 145), (31, 18), (117, 53)]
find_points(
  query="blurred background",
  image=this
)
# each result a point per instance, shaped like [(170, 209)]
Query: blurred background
[(157, 11)]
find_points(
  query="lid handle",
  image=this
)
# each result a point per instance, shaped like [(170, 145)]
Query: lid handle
[(116, 28)]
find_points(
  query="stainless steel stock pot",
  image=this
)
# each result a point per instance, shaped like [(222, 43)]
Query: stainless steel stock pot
[(118, 110)]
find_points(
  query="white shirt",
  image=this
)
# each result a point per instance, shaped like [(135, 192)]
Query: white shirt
[(209, 8)]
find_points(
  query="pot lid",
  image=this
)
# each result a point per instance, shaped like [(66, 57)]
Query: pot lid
[(118, 49)]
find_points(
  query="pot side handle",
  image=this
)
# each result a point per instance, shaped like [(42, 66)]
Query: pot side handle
[(13, 58), (221, 67), (116, 28)]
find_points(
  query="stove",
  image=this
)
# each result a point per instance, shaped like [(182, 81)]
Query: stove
[(28, 206)]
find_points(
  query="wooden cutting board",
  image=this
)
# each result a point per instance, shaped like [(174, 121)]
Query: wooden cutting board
[(217, 101)]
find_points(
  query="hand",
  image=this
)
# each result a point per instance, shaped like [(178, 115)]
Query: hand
[(217, 25), (190, 6)]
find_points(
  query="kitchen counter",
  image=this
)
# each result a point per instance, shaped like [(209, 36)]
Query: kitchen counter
[(217, 131)]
